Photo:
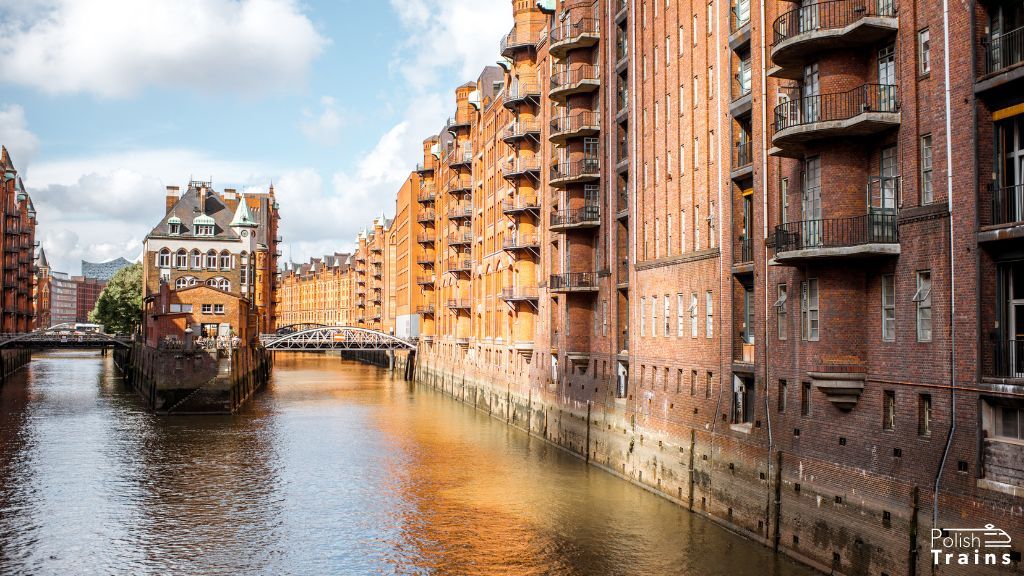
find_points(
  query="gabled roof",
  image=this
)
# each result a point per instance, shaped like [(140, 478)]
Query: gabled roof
[(42, 263), (186, 209)]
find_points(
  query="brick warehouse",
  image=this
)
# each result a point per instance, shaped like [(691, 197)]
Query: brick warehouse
[(715, 248), (17, 297)]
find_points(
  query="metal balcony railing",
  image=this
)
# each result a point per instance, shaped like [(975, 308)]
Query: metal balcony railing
[(575, 122), (576, 75), (517, 40), (744, 251), (830, 15), (1007, 359), (520, 167), (421, 168), (520, 241), (521, 202), (425, 238), (575, 216), (427, 195), (428, 310), (460, 185), (741, 80), (1007, 205), (623, 195), (1004, 50), (621, 98), (460, 211), (519, 293), (522, 90), (837, 106), (877, 228), (425, 216), (423, 280), (573, 280), (460, 303), (570, 31), (742, 155), (521, 129), (586, 167), (460, 238)]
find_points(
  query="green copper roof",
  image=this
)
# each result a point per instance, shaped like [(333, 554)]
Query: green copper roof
[(243, 217), (546, 5), (203, 220)]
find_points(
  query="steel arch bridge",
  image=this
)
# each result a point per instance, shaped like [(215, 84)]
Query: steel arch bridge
[(340, 338), (293, 328), (63, 336)]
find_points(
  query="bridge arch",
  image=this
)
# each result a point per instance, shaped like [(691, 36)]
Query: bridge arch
[(62, 336), (342, 338)]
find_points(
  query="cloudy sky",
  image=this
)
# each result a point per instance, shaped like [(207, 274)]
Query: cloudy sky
[(104, 103)]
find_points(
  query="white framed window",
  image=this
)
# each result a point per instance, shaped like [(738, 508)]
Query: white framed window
[(682, 231), (181, 259), (668, 51), (173, 228), (693, 315), (654, 316), (218, 308), (643, 317), (711, 82), (668, 317), (163, 259), (709, 314), (668, 232), (225, 260), (924, 52), (680, 306), (211, 260), (682, 39), (696, 227), (682, 159), (927, 196), (780, 311), (207, 308), (711, 18), (809, 309), (682, 100), (197, 260), (695, 28), (185, 282), (923, 300), (889, 307)]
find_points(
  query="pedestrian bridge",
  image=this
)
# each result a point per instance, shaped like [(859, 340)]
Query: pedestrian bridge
[(61, 336), (339, 338)]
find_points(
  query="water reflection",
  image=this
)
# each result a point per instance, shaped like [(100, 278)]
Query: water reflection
[(335, 469)]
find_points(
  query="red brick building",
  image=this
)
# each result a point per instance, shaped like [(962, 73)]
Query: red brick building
[(18, 226), (215, 317), (86, 294)]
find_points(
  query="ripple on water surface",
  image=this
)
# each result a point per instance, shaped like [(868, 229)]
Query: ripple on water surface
[(334, 469)]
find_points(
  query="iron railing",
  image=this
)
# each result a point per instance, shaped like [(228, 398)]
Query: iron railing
[(573, 280), (460, 185), (428, 310), (573, 216), (428, 195), (521, 128), (424, 168), (742, 155), (741, 80), (829, 15), (460, 211), (519, 293), (460, 303), (1007, 359), (520, 241), (520, 91), (876, 228), (460, 238), (1004, 50), (744, 251), (571, 31), (837, 106), (621, 47), (575, 75), (425, 216), (578, 169), (1007, 204), (424, 239), (521, 166), (519, 203), (518, 39), (575, 122), (621, 98)]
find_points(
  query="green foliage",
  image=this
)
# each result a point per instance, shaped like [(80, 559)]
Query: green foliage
[(119, 307)]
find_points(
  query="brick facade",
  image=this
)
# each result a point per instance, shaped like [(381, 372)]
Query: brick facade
[(18, 228)]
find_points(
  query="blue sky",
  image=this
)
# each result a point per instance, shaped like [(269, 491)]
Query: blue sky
[(104, 103)]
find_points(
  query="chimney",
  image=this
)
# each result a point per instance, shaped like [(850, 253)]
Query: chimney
[(173, 193), (202, 199)]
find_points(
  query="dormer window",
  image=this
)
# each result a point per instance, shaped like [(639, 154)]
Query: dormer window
[(204, 225), (174, 226), (204, 230)]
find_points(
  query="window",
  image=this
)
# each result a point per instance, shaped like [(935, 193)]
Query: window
[(711, 82), (219, 283), (225, 260), (207, 308), (784, 201), (805, 399), (924, 415), (694, 30), (742, 400), (173, 228), (696, 227), (924, 52), (709, 314), (711, 16), (185, 282), (782, 395), (163, 259), (654, 315), (889, 307), (679, 315), (218, 308), (211, 260), (197, 260), (693, 383), (926, 169), (604, 317), (780, 311), (643, 322), (696, 91), (809, 309), (923, 300), (204, 230), (668, 51), (693, 315), (682, 228), (643, 66), (1007, 421), (889, 410), (668, 231), (181, 259), (682, 39), (655, 64), (707, 385), (668, 317)]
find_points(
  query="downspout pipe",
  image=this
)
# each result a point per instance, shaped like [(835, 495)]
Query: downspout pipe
[(952, 267)]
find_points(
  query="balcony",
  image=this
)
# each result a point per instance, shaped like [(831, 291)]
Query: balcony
[(623, 196), (521, 203), (800, 35), (521, 130), (425, 216), (583, 170), (1006, 219), (459, 304), (520, 242), (460, 239), (517, 40), (427, 195), (743, 252), (425, 280), (462, 160), (460, 185), (742, 160), (571, 35), (580, 79), (1003, 54), (588, 216), (871, 235), (426, 259), (865, 110), (1007, 360), (425, 238), (573, 282), (575, 125), (519, 294), (741, 99), (457, 122), (518, 93), (739, 24), (361, 303), (522, 167), (425, 310), (423, 169), (460, 212)]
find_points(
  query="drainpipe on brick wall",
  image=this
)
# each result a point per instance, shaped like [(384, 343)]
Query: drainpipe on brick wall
[(764, 228), (952, 267), (634, 284)]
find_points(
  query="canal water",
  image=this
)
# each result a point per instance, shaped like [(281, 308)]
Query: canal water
[(334, 469)]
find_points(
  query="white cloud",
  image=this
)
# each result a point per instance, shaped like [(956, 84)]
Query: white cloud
[(116, 48), (15, 135), (325, 127)]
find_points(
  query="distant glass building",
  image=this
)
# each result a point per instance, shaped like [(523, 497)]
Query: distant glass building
[(103, 270)]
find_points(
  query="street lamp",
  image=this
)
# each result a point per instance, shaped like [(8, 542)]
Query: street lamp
[(188, 339)]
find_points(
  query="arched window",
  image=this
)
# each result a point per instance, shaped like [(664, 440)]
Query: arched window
[(181, 259), (219, 283), (184, 282), (197, 260), (163, 259), (211, 260), (225, 260)]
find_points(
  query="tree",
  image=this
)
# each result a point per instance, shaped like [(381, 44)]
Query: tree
[(119, 307)]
